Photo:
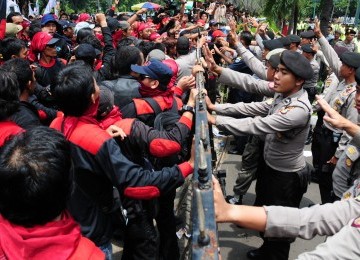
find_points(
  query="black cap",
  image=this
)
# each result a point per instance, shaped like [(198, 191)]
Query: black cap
[(106, 101), (357, 76), (294, 38), (340, 49), (285, 41), (307, 48), (113, 24), (86, 50), (274, 60), (351, 59), (182, 43), (350, 31), (66, 24), (272, 44), (307, 35), (297, 64)]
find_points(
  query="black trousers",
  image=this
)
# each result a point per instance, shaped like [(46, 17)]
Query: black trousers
[(166, 225), (277, 188), (140, 237), (323, 148)]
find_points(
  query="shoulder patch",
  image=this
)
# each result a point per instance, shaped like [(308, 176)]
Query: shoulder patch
[(269, 101), (89, 137)]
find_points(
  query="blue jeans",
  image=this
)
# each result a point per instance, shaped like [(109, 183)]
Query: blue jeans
[(107, 250)]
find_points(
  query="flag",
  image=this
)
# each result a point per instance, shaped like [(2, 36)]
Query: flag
[(31, 11), (37, 8), (2, 18), (50, 5)]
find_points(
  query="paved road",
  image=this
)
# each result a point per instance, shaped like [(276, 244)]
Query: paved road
[(235, 241)]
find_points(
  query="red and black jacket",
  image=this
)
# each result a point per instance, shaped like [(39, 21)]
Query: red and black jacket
[(139, 108), (8, 129), (143, 141), (99, 165)]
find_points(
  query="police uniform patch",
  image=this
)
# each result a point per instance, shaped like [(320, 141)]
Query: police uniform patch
[(284, 110), (348, 162), (269, 101), (352, 150), (347, 195)]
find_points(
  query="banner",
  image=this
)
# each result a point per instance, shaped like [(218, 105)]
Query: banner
[(50, 5), (2, 18)]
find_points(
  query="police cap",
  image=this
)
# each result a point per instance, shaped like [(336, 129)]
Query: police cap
[(272, 44), (294, 38), (350, 31), (297, 64), (285, 41), (307, 35), (307, 48), (351, 59)]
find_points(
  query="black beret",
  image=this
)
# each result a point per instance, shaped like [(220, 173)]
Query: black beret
[(297, 64), (350, 31), (307, 48), (294, 38), (285, 41), (272, 44), (274, 60), (351, 59), (307, 34), (357, 76)]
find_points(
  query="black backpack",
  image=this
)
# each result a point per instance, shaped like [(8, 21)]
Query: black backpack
[(164, 121)]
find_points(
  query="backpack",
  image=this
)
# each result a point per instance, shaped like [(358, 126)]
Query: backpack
[(164, 121)]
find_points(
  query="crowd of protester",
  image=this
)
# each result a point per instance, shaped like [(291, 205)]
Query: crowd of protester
[(96, 126)]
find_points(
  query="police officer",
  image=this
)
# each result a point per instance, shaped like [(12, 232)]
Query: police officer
[(284, 121), (311, 84), (349, 42), (329, 142), (339, 220)]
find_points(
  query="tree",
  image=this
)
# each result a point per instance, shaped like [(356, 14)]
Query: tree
[(326, 7)]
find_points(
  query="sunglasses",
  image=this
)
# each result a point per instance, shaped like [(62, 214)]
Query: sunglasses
[(51, 46), (142, 77)]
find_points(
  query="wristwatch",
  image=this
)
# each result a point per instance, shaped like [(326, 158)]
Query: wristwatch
[(187, 108)]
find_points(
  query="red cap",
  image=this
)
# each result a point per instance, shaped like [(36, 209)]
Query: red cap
[(40, 40), (154, 36), (143, 26), (84, 17), (201, 22), (175, 68), (218, 33)]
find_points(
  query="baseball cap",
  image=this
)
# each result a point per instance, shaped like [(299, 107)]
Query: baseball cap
[(85, 50), (66, 24), (124, 25), (155, 70), (40, 40), (83, 25), (113, 24), (218, 33), (156, 54), (213, 22), (47, 18), (12, 29), (84, 17)]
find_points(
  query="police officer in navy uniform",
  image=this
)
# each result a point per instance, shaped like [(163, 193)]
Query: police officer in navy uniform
[(284, 122)]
